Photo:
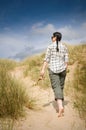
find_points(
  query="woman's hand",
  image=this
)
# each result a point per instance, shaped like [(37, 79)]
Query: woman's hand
[(42, 73)]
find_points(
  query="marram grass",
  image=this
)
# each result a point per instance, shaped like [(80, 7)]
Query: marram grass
[(12, 95), (76, 54)]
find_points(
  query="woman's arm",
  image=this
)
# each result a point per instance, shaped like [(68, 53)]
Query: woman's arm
[(46, 61), (43, 68)]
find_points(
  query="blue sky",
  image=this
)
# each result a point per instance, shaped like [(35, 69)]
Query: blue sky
[(27, 25)]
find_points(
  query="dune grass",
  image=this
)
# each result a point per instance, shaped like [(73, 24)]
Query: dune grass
[(8, 64), (76, 54), (33, 67), (6, 124), (78, 85), (12, 95)]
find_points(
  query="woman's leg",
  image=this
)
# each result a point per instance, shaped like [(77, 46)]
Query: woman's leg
[(60, 101), (60, 105), (57, 83), (62, 82), (58, 92)]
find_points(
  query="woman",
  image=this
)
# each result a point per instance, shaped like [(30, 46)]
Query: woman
[(57, 59)]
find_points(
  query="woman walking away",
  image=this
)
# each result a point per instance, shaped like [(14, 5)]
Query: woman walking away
[(57, 60)]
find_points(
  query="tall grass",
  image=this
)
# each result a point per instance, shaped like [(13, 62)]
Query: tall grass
[(78, 84), (33, 67), (8, 64), (6, 124), (80, 88), (12, 95), (76, 53)]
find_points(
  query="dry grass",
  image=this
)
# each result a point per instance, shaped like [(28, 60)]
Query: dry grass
[(8, 64), (76, 54), (12, 95), (78, 85), (33, 67), (80, 89)]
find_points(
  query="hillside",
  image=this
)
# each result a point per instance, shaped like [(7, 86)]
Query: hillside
[(41, 110)]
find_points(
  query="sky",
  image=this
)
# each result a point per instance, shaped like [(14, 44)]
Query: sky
[(26, 26)]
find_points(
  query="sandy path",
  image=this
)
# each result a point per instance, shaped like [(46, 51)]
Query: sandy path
[(46, 118)]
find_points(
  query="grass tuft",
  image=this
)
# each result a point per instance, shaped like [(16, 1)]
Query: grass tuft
[(12, 95)]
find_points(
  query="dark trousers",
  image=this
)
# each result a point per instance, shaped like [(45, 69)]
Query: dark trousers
[(57, 83)]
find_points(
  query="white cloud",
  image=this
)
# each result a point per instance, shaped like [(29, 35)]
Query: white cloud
[(69, 33), (84, 25), (44, 30), (10, 45), (38, 37), (37, 25)]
